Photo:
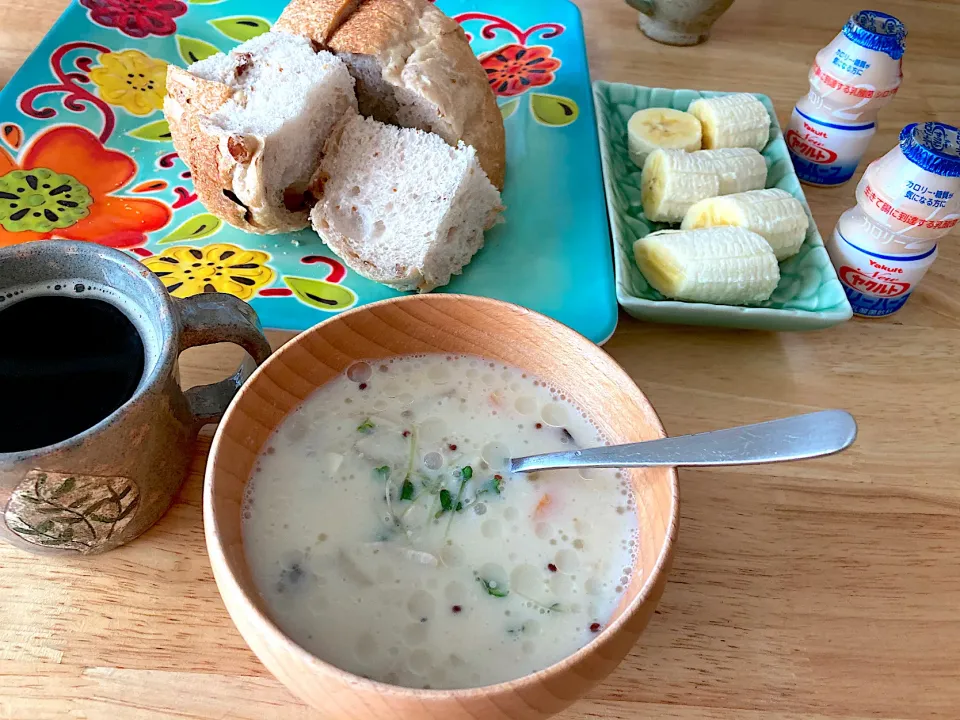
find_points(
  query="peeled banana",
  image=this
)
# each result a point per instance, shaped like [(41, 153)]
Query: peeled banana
[(661, 128), (774, 214), (732, 121), (674, 180), (740, 169), (722, 265)]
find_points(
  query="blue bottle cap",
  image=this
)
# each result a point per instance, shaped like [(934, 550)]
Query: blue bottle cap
[(932, 146), (877, 30)]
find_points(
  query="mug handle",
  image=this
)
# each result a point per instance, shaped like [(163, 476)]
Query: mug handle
[(642, 6), (212, 318)]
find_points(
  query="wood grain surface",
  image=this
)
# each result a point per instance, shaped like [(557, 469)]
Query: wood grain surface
[(822, 590)]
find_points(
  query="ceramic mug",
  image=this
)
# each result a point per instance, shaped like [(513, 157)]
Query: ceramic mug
[(109, 483), (678, 22)]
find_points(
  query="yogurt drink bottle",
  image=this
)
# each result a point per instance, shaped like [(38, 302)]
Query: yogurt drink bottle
[(907, 201), (914, 190), (851, 80)]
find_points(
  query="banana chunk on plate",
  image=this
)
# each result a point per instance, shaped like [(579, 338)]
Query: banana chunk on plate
[(721, 265), (675, 180), (774, 214), (732, 121), (666, 128)]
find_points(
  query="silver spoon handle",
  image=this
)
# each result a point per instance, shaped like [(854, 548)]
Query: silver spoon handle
[(793, 438)]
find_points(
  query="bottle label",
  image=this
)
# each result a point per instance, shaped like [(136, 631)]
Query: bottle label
[(825, 153), (876, 284)]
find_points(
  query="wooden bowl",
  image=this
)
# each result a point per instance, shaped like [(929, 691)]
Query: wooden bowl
[(435, 324)]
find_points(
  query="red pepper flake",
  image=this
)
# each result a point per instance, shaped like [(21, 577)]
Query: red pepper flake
[(498, 477), (406, 433), (456, 608), (452, 447), (363, 386), (271, 450), (551, 567), (539, 426), (595, 627)]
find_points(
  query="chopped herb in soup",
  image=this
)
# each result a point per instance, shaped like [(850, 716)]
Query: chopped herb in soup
[(388, 538)]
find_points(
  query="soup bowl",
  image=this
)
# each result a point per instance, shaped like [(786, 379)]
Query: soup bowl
[(447, 324)]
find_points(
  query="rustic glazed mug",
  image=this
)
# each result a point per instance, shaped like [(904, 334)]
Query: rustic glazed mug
[(107, 484), (679, 22)]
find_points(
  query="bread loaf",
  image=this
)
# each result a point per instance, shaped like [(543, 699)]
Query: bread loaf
[(251, 127), (400, 206), (413, 67)]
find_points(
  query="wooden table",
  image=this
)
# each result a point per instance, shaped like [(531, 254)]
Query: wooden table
[(825, 589)]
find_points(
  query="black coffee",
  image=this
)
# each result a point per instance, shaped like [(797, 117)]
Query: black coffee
[(65, 364)]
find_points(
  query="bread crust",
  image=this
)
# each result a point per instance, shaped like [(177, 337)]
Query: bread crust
[(420, 50)]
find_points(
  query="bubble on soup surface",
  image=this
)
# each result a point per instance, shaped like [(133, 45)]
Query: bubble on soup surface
[(511, 514), (416, 633), (495, 575), (380, 404), (480, 508), (528, 580), (455, 592), (433, 461), (366, 647), (543, 530), (359, 372), (420, 661), (554, 414), (439, 374), (472, 373), (490, 528), (451, 556), (566, 561), (561, 585), (578, 544), (405, 398), (496, 455), (421, 605), (431, 430)]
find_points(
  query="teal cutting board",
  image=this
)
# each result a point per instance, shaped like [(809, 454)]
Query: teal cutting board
[(86, 105)]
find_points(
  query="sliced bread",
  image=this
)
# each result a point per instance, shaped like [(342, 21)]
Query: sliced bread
[(251, 127), (413, 66), (401, 206)]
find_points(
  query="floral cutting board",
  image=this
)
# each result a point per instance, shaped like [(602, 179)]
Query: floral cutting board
[(83, 140)]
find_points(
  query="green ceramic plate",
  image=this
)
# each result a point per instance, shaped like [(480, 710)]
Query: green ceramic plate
[(809, 296)]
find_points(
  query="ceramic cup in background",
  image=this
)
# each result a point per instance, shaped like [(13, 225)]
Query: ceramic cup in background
[(110, 482), (679, 22)]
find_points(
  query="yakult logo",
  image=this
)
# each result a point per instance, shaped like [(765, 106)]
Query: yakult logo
[(882, 287), (807, 150)]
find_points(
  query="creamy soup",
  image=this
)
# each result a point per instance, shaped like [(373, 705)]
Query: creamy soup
[(387, 537)]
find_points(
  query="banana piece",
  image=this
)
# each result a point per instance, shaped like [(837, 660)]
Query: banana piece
[(740, 169), (732, 121), (661, 128), (673, 180), (775, 214), (722, 265)]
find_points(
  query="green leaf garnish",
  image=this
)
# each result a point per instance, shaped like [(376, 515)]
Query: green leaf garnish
[(366, 426), (406, 490), (446, 502), (492, 588), (459, 507), (382, 472), (467, 472)]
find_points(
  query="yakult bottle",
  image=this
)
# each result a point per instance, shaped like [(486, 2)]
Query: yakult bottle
[(907, 200), (851, 79)]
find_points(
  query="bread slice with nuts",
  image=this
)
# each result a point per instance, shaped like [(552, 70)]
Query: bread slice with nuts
[(400, 206), (251, 127), (413, 67)]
